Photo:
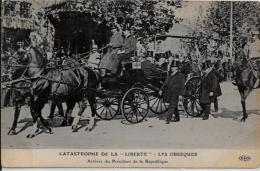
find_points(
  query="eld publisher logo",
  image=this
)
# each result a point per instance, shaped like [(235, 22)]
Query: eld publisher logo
[(244, 158)]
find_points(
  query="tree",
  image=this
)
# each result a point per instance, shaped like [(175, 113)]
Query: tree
[(245, 20), (146, 17)]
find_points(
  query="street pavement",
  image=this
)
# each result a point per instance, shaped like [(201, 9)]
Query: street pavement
[(221, 131)]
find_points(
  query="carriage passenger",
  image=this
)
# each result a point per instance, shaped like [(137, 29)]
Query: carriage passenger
[(110, 60), (129, 42), (172, 91), (140, 48), (149, 68)]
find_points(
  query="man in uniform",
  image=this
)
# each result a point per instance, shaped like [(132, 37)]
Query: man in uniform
[(241, 60), (94, 58), (172, 91)]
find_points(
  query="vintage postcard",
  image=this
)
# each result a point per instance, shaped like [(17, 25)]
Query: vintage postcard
[(130, 83)]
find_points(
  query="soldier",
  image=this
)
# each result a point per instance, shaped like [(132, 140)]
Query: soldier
[(241, 59), (172, 91), (207, 89), (94, 58)]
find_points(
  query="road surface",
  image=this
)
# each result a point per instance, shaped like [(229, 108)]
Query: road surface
[(220, 131)]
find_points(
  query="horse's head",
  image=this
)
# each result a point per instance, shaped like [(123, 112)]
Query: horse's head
[(34, 57)]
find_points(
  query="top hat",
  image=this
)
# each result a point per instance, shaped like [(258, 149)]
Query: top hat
[(208, 63), (149, 53), (203, 66), (175, 63)]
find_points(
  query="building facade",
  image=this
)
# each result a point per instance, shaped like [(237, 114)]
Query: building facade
[(16, 24)]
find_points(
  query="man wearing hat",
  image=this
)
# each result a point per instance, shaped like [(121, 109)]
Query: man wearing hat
[(172, 91), (208, 89), (218, 71), (149, 68), (130, 42), (94, 58)]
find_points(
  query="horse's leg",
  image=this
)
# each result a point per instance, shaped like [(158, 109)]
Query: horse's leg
[(36, 115), (243, 93), (67, 120), (34, 128), (91, 100), (243, 102), (60, 108), (53, 106), (46, 124), (12, 131), (82, 107)]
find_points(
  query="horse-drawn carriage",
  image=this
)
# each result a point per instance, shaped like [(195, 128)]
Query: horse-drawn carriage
[(133, 95)]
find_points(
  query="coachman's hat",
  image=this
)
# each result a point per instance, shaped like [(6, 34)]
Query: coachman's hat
[(175, 63), (149, 54)]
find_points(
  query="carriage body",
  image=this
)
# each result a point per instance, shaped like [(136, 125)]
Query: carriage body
[(130, 94)]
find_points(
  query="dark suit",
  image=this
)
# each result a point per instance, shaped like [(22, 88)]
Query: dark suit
[(220, 76), (150, 70), (172, 88), (208, 84)]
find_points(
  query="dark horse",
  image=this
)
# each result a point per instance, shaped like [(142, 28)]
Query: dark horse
[(73, 85), (18, 89), (247, 79)]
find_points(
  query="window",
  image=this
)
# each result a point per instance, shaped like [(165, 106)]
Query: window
[(25, 10), (9, 8)]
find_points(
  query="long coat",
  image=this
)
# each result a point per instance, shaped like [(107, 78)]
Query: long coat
[(208, 84), (110, 60), (173, 87), (220, 77)]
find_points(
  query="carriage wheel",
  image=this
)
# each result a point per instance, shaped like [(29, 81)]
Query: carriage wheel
[(192, 106), (135, 105), (191, 102), (157, 104), (192, 87), (107, 108)]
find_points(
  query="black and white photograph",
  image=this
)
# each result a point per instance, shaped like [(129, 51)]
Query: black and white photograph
[(134, 75)]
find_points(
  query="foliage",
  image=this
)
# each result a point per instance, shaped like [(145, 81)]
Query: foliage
[(145, 17), (216, 27), (44, 29)]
